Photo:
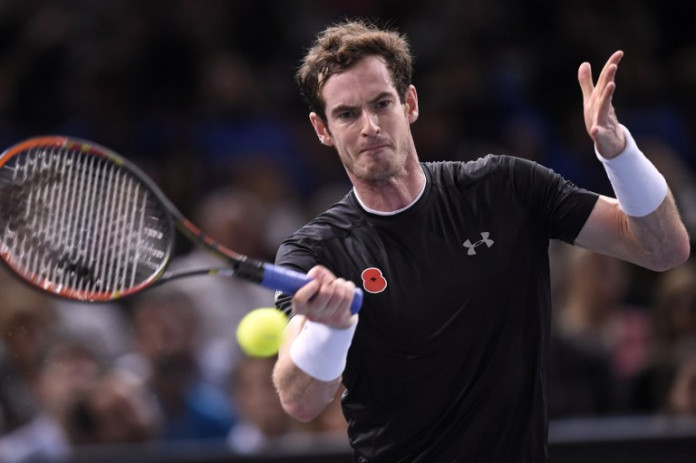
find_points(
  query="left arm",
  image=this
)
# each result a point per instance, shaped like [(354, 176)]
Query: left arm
[(657, 241), (643, 226)]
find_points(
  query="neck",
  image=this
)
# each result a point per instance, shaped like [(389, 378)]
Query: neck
[(391, 195)]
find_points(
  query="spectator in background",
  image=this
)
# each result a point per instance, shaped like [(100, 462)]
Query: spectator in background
[(675, 311), (262, 420), (167, 329), (68, 370), (599, 342), (681, 178), (26, 324), (662, 383), (681, 398), (582, 382), (118, 409), (594, 315), (236, 131), (263, 424), (236, 219)]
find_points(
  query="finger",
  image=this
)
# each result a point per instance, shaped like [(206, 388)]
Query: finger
[(605, 103), (304, 295), (339, 302), (321, 273), (609, 69), (607, 77), (616, 56), (345, 290), (585, 80), (325, 306)]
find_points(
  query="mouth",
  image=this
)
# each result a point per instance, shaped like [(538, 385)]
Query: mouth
[(373, 148)]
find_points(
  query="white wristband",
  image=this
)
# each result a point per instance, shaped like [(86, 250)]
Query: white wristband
[(639, 187), (321, 351)]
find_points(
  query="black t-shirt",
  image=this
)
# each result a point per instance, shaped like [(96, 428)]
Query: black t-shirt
[(450, 357)]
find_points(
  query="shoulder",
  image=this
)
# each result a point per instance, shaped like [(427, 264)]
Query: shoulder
[(335, 224), (491, 166), (336, 221), (331, 239)]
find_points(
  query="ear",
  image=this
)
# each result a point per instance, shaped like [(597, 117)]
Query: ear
[(411, 103), (321, 129)]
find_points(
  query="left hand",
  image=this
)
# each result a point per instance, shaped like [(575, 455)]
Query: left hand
[(600, 119)]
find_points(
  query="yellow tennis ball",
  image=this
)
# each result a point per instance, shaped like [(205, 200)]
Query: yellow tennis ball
[(260, 332)]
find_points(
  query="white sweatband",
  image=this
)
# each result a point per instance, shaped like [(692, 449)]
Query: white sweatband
[(321, 351), (639, 187)]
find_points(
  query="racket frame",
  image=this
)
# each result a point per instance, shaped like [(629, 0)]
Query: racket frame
[(241, 266)]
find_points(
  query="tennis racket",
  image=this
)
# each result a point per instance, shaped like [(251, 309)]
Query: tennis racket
[(81, 222)]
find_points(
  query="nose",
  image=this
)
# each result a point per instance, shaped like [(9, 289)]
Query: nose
[(370, 124)]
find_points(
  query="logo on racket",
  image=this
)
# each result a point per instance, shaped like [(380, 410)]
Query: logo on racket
[(373, 280)]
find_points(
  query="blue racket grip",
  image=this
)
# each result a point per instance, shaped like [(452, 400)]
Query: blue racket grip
[(289, 281)]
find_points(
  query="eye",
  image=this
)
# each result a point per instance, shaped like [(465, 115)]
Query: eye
[(345, 115), (383, 104)]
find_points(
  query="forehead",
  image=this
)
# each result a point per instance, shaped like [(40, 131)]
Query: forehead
[(364, 80)]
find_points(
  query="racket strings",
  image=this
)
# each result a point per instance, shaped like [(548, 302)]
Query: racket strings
[(78, 221)]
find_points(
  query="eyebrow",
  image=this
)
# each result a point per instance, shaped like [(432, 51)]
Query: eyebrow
[(345, 107)]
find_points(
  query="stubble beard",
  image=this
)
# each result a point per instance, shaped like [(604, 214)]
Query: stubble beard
[(378, 168), (375, 171)]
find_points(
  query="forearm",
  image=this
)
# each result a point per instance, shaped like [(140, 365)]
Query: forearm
[(309, 367), (302, 396), (657, 241), (642, 225), (653, 229), (661, 240)]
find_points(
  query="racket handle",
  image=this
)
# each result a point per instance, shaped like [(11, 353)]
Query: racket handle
[(289, 281)]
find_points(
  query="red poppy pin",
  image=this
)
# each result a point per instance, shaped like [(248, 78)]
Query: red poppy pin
[(373, 280)]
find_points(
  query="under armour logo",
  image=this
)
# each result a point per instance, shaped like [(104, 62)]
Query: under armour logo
[(471, 247)]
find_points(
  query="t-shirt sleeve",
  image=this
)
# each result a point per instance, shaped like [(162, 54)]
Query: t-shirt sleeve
[(292, 254), (560, 206)]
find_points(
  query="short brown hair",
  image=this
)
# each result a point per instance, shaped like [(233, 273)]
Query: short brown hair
[(341, 46)]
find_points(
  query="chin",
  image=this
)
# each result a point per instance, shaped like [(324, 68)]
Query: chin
[(373, 169)]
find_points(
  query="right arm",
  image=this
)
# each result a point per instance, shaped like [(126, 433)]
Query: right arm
[(324, 301), (302, 396)]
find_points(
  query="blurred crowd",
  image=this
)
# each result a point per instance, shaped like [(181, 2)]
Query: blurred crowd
[(200, 94)]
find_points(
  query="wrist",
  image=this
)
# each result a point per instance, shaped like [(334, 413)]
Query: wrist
[(321, 351), (639, 187)]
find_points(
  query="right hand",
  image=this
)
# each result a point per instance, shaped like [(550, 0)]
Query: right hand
[(326, 299)]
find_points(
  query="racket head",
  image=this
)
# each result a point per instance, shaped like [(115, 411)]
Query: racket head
[(79, 221)]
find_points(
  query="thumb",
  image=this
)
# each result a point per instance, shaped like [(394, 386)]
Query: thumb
[(585, 80)]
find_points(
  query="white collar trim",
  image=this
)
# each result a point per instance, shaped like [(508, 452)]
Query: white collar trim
[(388, 213)]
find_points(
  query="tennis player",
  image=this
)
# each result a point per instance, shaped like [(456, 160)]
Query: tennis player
[(448, 358)]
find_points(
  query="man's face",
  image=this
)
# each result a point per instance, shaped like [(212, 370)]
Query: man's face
[(366, 121)]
